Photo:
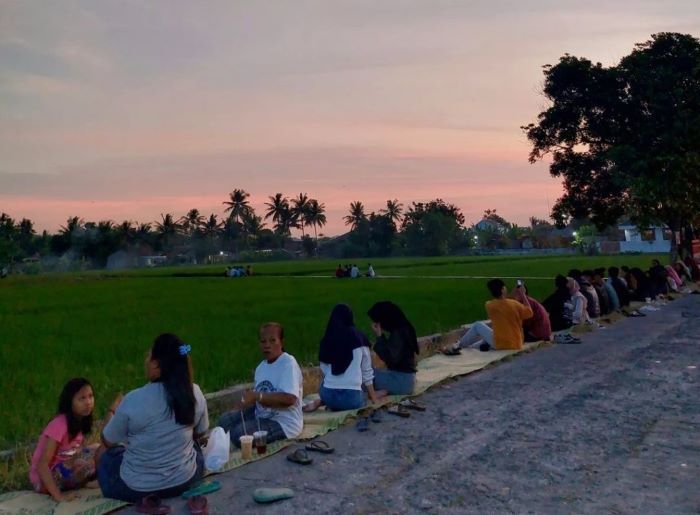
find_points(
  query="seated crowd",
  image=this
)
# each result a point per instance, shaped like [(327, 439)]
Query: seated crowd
[(150, 442)]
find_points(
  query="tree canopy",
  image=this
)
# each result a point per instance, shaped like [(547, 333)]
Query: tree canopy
[(625, 138)]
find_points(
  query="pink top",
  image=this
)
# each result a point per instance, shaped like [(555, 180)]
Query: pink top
[(57, 430), (539, 325)]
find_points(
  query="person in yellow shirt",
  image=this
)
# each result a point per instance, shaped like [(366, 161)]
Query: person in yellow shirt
[(507, 316)]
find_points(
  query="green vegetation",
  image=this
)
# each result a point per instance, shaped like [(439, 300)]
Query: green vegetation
[(100, 325)]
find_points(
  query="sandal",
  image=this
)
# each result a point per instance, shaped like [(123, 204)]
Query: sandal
[(204, 487), (451, 351), (153, 505), (300, 456), (320, 446), (411, 404), (398, 411), (198, 505), (267, 495)]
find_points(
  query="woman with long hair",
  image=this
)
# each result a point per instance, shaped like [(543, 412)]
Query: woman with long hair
[(151, 434), (396, 346)]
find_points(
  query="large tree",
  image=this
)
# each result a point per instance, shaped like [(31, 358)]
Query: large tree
[(625, 138), (237, 205)]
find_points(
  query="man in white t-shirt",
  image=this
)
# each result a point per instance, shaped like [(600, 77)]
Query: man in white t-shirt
[(276, 399)]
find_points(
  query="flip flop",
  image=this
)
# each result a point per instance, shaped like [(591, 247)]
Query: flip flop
[(398, 411), (268, 495), (198, 505), (300, 456), (320, 446), (153, 505), (205, 487), (362, 425), (451, 351), (411, 404)]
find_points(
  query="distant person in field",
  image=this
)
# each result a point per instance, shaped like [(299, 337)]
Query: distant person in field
[(396, 347), (507, 316), (151, 434), (61, 462), (339, 273), (346, 272), (558, 305), (275, 400), (346, 364), (248, 270), (354, 272), (370, 271)]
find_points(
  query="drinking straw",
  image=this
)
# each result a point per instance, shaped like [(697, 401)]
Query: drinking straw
[(243, 420), (257, 420)]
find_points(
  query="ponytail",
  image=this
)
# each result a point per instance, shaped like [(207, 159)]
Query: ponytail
[(175, 365)]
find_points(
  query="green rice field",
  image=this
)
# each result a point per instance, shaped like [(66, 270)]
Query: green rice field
[(100, 324)]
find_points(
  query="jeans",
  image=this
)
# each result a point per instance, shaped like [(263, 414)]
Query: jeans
[(114, 487), (232, 423), (341, 400), (477, 332), (394, 382)]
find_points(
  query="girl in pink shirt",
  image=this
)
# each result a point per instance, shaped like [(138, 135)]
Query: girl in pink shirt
[(60, 462)]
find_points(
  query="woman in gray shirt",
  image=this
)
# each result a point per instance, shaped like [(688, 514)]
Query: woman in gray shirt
[(151, 434)]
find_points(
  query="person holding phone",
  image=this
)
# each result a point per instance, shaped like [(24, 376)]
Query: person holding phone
[(507, 316)]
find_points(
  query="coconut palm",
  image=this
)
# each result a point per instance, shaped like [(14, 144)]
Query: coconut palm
[(315, 215), (276, 207), (237, 204), (211, 228), (393, 210), (252, 225), (73, 224), (300, 205), (191, 222), (356, 216), (167, 228)]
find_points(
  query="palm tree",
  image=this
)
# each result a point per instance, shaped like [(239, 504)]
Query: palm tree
[(393, 210), (356, 216), (316, 215), (126, 233), (237, 204), (252, 225), (73, 224), (300, 206), (191, 222), (167, 228), (211, 227)]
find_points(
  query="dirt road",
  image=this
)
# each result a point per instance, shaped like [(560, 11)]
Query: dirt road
[(609, 426)]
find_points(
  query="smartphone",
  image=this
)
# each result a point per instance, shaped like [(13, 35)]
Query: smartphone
[(519, 282)]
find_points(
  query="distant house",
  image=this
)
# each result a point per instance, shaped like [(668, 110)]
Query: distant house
[(151, 261), (653, 239)]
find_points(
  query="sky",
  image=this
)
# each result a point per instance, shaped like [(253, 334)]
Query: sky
[(125, 110)]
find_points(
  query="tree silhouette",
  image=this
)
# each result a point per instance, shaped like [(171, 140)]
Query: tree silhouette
[(315, 215), (237, 204), (300, 206), (394, 210), (357, 215)]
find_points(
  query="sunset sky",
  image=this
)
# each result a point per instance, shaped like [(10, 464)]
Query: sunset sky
[(128, 109)]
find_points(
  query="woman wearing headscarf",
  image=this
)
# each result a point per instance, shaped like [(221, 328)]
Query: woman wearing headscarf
[(640, 286), (397, 347), (579, 313), (346, 363)]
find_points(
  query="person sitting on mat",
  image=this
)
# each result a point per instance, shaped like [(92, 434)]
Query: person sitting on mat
[(398, 351), (538, 327), (558, 305), (346, 364), (507, 317), (151, 433), (274, 404)]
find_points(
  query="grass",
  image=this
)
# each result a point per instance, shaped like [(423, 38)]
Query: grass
[(100, 324)]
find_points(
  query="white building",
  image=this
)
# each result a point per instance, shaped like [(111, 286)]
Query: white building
[(655, 239)]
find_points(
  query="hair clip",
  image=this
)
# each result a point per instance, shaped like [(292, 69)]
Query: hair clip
[(185, 349)]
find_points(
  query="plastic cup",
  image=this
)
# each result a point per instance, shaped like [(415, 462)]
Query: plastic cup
[(260, 441), (246, 447)]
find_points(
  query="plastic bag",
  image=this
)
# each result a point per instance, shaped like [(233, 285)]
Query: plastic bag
[(217, 450)]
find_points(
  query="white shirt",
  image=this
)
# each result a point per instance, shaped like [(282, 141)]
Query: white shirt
[(354, 272), (282, 375), (359, 372)]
